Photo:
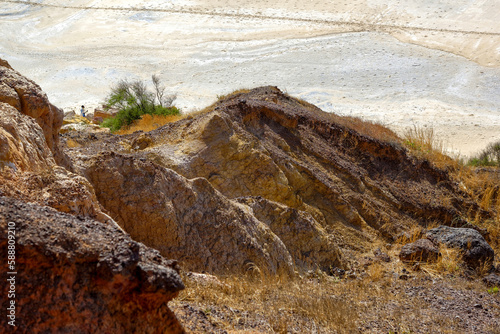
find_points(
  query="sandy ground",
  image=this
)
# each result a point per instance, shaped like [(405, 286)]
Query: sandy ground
[(402, 63)]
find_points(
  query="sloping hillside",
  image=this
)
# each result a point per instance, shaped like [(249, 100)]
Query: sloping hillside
[(294, 183)]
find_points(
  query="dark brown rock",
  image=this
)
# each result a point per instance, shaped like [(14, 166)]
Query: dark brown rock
[(422, 250), (81, 276), (473, 247)]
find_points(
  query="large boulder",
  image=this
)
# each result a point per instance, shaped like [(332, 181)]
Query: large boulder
[(77, 275), (28, 98), (471, 244), (422, 250)]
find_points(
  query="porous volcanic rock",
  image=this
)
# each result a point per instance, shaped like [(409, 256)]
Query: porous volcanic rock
[(28, 98), (422, 250), (474, 249), (77, 275), (263, 143)]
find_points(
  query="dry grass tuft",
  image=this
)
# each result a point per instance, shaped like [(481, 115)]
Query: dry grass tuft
[(288, 305), (368, 128), (379, 303), (448, 263), (72, 143), (484, 187), (149, 123), (424, 144), (233, 94), (376, 272), (371, 129)]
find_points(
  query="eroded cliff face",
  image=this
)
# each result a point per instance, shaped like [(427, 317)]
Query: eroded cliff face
[(28, 98), (192, 221), (77, 275), (32, 166), (78, 272), (323, 190)]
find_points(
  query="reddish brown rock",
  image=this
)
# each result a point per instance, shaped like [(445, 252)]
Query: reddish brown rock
[(81, 276), (422, 250)]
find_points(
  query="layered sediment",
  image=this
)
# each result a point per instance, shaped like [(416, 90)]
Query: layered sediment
[(320, 190)]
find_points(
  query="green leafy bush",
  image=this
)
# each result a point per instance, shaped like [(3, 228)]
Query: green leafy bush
[(488, 157), (134, 99)]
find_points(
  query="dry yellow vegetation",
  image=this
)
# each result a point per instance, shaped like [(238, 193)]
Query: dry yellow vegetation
[(378, 302), (481, 183), (149, 123)]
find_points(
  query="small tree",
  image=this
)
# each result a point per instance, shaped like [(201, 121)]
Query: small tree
[(133, 99)]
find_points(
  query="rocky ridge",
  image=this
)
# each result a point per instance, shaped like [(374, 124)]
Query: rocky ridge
[(320, 191), (260, 182)]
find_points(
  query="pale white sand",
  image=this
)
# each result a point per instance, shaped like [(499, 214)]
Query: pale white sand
[(404, 63)]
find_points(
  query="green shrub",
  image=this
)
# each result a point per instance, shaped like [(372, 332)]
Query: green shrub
[(133, 99), (493, 290), (490, 156)]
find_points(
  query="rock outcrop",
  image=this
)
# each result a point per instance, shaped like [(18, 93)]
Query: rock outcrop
[(29, 151), (29, 99), (473, 247), (422, 250), (77, 275), (321, 188), (307, 241), (187, 219), (22, 142)]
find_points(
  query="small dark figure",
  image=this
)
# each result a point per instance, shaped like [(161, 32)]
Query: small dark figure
[(82, 111)]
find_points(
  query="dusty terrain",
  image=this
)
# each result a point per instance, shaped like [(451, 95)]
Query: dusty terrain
[(402, 63)]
